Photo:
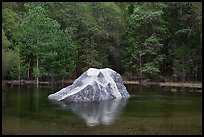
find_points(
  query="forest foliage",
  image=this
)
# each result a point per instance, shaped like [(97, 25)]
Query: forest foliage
[(61, 40)]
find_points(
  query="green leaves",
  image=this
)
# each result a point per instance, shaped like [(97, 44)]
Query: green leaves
[(39, 72), (150, 69), (9, 61), (40, 36), (144, 32), (131, 37), (5, 41), (152, 46), (8, 20)]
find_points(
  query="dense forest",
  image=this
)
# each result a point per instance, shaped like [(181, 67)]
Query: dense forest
[(140, 40)]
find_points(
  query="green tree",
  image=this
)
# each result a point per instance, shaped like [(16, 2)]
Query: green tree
[(108, 35), (53, 40), (145, 31), (184, 40), (39, 38), (96, 29)]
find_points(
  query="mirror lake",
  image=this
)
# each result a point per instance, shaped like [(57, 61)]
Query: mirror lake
[(149, 110)]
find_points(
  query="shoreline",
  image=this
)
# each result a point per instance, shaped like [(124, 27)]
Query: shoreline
[(169, 84), (161, 84)]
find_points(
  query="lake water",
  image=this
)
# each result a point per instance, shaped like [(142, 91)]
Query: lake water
[(149, 110)]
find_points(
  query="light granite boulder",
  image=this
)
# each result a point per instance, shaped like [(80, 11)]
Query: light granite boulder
[(93, 85)]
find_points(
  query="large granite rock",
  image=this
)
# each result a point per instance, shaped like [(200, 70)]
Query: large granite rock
[(93, 85)]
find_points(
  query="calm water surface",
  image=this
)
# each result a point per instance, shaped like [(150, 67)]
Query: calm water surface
[(149, 110)]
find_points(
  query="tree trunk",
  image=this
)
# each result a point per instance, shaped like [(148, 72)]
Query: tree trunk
[(19, 79), (140, 67), (52, 78), (118, 54), (62, 81), (19, 67), (29, 69), (183, 75), (37, 75)]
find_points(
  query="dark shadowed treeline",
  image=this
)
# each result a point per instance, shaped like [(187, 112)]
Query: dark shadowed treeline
[(61, 40)]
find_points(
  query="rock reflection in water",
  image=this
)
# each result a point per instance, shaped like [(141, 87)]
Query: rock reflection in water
[(94, 113)]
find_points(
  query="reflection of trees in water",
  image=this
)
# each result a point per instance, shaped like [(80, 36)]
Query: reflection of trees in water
[(28, 99), (104, 112)]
